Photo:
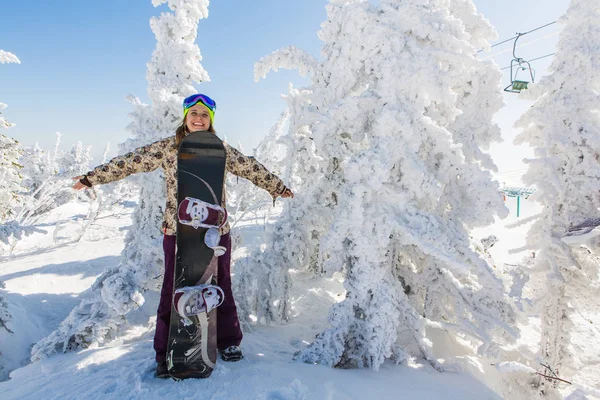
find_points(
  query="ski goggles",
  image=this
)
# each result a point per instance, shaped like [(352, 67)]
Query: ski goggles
[(206, 101)]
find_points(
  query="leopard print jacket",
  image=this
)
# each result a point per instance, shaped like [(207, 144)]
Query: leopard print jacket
[(163, 154)]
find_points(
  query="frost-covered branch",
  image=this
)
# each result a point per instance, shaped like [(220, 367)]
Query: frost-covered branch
[(289, 58)]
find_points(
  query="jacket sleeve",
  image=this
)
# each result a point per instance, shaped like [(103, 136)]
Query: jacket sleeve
[(248, 168), (144, 159)]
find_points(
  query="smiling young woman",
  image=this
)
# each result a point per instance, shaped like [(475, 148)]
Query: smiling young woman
[(198, 115)]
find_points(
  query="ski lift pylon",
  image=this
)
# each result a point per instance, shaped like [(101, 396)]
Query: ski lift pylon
[(518, 64)]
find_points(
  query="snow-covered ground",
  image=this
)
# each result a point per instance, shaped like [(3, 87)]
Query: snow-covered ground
[(48, 276)]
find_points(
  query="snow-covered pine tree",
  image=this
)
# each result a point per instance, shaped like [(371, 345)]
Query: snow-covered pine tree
[(38, 167), (296, 235), (563, 126), (245, 201), (72, 163), (272, 150), (476, 85), (172, 71), (111, 198), (313, 175), (404, 189), (10, 177), (44, 186), (76, 161), (10, 186), (244, 197), (293, 239), (37, 190)]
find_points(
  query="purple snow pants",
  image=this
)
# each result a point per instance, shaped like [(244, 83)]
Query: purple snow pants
[(229, 332)]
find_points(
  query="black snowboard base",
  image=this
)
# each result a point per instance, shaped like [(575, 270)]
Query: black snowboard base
[(192, 347)]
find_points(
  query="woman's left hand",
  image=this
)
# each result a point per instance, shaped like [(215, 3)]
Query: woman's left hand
[(287, 193), (77, 185)]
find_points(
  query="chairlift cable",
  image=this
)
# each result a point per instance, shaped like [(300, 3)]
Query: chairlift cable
[(519, 34), (539, 58), (520, 46), (498, 44), (538, 28)]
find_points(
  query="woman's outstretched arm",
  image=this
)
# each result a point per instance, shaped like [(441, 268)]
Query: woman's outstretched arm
[(144, 159), (248, 168)]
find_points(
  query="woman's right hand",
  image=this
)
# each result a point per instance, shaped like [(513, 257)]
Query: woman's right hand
[(287, 193), (78, 185)]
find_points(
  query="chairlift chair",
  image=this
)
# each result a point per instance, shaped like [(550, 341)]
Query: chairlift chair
[(518, 64)]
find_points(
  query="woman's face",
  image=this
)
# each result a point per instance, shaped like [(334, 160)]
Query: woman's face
[(197, 118)]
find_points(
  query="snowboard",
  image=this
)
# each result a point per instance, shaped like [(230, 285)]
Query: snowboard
[(192, 346)]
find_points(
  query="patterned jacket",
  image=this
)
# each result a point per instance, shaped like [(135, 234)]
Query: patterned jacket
[(163, 154)]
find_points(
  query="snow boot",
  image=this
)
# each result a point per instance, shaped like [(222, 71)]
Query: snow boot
[(232, 353), (162, 371)]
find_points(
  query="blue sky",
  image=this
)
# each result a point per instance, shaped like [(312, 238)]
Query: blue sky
[(79, 59)]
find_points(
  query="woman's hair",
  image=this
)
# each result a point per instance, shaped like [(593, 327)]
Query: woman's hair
[(182, 129)]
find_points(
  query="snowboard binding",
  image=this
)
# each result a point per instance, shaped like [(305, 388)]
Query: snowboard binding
[(212, 237), (195, 300), (200, 214)]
